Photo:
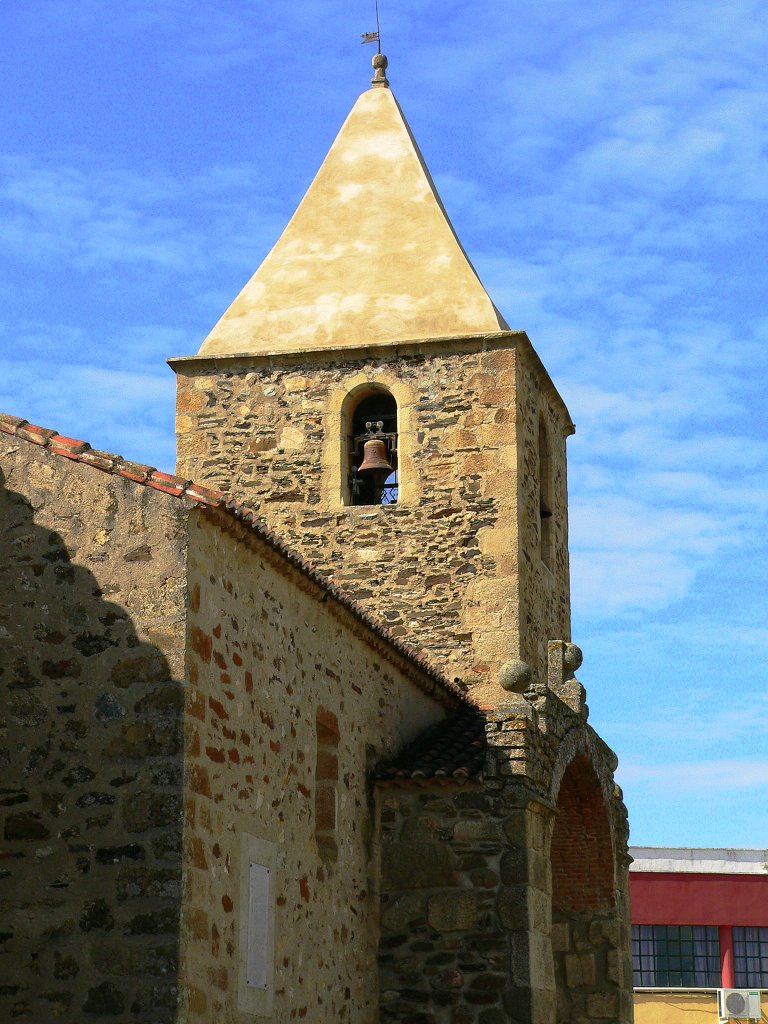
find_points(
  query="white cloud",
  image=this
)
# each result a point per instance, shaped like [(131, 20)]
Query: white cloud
[(726, 775), (98, 217), (130, 413)]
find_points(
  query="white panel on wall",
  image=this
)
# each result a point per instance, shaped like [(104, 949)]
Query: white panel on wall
[(257, 872), (258, 925)]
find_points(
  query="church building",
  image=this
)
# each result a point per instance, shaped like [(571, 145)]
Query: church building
[(295, 734)]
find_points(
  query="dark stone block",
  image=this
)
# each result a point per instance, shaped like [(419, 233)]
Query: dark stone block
[(89, 644), (514, 865), (149, 810), (115, 854), (95, 799), (168, 699), (164, 883), (25, 826), (489, 982), (417, 866), (107, 708), (27, 709), (15, 798), (105, 999), (512, 907), (96, 915), (160, 922), (78, 775)]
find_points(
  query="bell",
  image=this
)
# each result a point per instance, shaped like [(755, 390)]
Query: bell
[(375, 460)]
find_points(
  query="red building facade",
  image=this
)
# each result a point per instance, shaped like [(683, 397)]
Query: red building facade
[(699, 920)]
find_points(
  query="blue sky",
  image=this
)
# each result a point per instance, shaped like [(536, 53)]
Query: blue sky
[(604, 166)]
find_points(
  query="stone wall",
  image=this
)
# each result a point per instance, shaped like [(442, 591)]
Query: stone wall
[(288, 705), (453, 567), (454, 924), (544, 591), (92, 608), (489, 913)]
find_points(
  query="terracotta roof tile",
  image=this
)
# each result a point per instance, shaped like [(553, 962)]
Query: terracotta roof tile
[(37, 435), (449, 751), (69, 447), (168, 484), (80, 451), (105, 461), (135, 471)]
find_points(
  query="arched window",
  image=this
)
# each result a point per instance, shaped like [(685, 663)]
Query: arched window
[(545, 497), (372, 449)]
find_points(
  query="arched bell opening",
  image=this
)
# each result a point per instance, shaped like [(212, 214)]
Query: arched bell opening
[(372, 448), (585, 936)]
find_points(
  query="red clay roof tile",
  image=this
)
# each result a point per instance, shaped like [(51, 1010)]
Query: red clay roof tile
[(68, 446), (449, 751)]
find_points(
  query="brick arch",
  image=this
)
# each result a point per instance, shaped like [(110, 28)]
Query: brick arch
[(581, 850)]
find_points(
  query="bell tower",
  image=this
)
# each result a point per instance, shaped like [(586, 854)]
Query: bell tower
[(364, 396)]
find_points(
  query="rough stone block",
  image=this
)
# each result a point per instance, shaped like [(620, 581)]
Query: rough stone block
[(406, 910), (615, 966), (475, 831), (512, 907), (580, 969), (25, 826), (416, 866), (419, 828), (454, 911), (560, 937), (603, 1005)]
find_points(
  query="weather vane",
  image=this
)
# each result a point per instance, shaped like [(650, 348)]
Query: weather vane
[(379, 61), (373, 37)]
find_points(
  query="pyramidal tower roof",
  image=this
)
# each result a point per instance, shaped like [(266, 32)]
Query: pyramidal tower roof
[(368, 258)]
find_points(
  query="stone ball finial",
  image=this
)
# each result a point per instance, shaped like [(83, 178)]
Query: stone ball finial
[(380, 64), (515, 676), (572, 658)]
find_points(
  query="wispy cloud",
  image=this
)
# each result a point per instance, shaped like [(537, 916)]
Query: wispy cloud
[(729, 775), (129, 413), (103, 217)]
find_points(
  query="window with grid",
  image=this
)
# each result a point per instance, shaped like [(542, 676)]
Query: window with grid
[(675, 956), (750, 957)]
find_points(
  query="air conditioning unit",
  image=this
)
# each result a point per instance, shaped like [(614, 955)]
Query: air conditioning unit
[(738, 1004)]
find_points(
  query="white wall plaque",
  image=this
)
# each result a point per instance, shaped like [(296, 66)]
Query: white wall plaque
[(258, 925), (256, 931)]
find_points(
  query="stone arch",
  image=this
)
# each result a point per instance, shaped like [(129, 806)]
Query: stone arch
[(586, 934), (341, 402)]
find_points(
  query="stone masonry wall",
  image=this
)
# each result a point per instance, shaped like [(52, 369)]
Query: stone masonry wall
[(442, 567), (287, 702), (472, 932), (544, 592), (92, 608), (454, 925)]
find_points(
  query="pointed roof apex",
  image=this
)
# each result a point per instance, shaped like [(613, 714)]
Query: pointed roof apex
[(370, 256)]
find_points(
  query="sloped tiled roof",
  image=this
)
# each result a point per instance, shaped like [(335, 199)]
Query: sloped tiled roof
[(177, 487), (449, 751)]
